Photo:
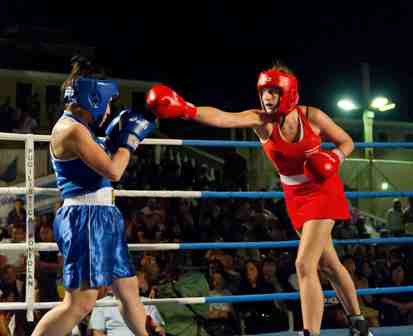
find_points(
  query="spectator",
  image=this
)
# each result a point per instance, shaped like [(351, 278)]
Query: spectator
[(16, 258), (260, 207), (186, 220), (15, 119), (203, 179), (150, 275), (395, 218), (214, 265), (19, 325), (27, 123), (49, 265), (34, 106), (366, 302), (170, 170), (269, 273), (188, 171), (275, 230), (408, 216), (260, 227), (109, 321), (221, 316), (209, 223), (7, 114), (152, 227), (333, 316), (7, 317), (260, 317), (17, 215), (10, 283), (397, 308), (233, 277), (184, 320)]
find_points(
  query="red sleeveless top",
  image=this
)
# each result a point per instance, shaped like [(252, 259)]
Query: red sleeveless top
[(287, 157), (306, 199)]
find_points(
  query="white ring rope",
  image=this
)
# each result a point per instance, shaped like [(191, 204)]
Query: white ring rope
[(46, 138), (124, 193), (53, 247), (109, 303), (31, 246)]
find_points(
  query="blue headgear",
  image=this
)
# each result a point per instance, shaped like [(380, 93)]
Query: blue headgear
[(91, 94)]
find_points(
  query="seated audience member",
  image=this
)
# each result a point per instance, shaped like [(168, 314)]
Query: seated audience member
[(397, 309), (17, 215), (233, 277), (15, 257), (366, 302), (259, 317), (109, 320), (334, 316), (221, 316), (49, 265), (181, 319), (269, 275)]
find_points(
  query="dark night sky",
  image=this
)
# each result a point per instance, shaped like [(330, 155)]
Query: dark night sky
[(212, 51)]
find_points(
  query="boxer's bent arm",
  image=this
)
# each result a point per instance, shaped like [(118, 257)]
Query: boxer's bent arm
[(81, 143), (218, 118), (331, 130)]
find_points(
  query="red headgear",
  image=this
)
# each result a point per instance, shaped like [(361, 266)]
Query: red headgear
[(288, 85)]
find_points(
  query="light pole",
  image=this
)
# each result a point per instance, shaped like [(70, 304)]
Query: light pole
[(368, 118), (369, 108)]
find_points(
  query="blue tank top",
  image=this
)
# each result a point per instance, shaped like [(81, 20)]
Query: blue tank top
[(74, 177)]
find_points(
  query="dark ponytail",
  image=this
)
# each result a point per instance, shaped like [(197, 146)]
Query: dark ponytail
[(81, 66), (280, 66)]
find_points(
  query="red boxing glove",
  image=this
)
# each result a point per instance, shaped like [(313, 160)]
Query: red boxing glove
[(323, 164), (165, 103)]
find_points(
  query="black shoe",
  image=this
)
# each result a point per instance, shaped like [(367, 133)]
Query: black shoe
[(305, 333), (360, 328)]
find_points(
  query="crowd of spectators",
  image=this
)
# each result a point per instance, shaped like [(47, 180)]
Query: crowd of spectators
[(22, 118), (197, 273)]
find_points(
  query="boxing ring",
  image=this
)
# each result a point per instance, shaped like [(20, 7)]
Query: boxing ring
[(30, 246)]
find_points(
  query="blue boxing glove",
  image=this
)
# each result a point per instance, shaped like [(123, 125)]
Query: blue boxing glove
[(127, 130)]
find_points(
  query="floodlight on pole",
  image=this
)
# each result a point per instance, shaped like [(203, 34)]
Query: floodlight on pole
[(382, 104), (346, 104), (387, 107), (379, 102)]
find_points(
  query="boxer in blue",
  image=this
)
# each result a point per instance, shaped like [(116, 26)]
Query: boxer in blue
[(88, 228)]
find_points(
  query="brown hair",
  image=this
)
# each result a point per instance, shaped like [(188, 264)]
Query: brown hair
[(280, 66), (81, 66)]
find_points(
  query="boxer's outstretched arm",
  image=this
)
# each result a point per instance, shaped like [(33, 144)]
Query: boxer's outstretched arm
[(218, 118), (165, 103)]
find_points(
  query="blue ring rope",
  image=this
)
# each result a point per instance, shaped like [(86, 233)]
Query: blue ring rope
[(295, 295), (256, 144), (291, 243), (279, 194)]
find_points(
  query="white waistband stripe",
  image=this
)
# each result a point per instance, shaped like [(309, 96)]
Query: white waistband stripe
[(103, 196), (294, 179)]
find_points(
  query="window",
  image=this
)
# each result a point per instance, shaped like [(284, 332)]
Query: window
[(23, 95), (53, 107)]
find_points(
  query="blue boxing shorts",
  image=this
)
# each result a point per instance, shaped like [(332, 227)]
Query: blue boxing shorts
[(90, 233)]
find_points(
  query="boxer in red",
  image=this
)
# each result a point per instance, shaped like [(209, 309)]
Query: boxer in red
[(290, 135)]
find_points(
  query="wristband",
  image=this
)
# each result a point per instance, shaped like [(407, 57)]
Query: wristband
[(340, 154)]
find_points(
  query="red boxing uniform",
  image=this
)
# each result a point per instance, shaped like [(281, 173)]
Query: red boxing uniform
[(306, 198)]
